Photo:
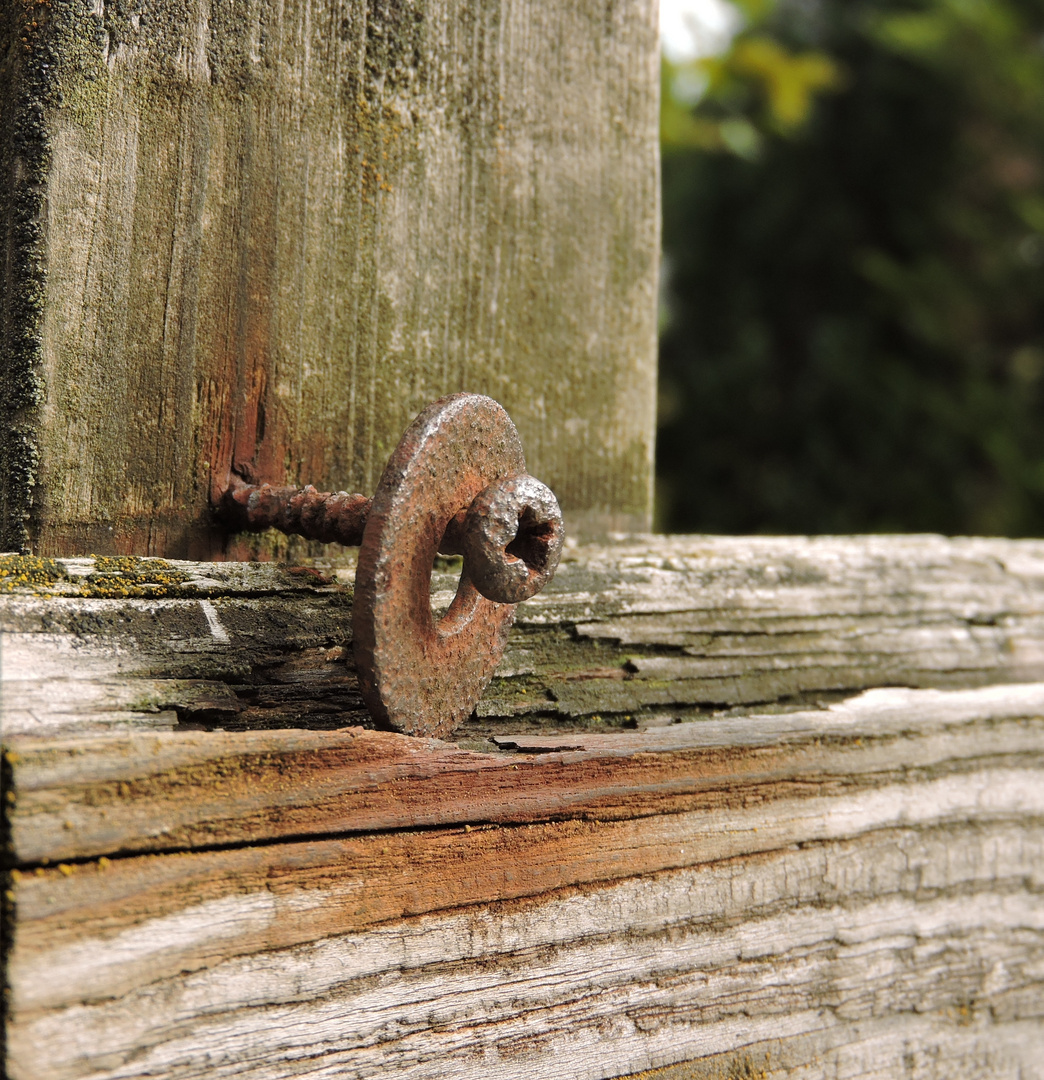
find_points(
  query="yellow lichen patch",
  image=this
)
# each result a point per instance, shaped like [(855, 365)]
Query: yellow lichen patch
[(118, 577), (18, 572), (124, 576)]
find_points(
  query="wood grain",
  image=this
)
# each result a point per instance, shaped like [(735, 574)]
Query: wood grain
[(273, 232), (264, 976), (937, 1047), (822, 875), (639, 632), (78, 799)]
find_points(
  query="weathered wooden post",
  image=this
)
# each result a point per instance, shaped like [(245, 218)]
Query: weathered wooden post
[(265, 235), (729, 807)]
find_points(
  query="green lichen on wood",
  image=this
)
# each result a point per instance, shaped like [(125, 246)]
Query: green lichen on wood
[(23, 166), (223, 221), (39, 40)]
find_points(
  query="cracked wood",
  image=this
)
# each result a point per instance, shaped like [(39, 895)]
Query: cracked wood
[(692, 829), (632, 633), (264, 235)]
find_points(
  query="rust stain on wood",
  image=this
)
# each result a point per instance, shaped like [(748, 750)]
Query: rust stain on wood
[(81, 798), (364, 880)]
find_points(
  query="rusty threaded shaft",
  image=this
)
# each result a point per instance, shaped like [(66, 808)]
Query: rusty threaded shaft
[(510, 535), (329, 517)]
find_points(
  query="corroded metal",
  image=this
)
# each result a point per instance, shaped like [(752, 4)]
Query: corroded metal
[(456, 484), (416, 674), (512, 538), (330, 517)]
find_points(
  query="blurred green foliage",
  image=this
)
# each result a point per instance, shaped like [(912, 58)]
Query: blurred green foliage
[(853, 317), (758, 85)]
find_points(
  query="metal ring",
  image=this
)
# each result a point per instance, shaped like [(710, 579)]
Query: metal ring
[(417, 675)]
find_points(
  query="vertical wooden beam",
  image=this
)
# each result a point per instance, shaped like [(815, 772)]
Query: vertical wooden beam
[(263, 235)]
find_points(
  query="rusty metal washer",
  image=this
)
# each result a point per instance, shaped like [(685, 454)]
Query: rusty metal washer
[(418, 675), (456, 484)]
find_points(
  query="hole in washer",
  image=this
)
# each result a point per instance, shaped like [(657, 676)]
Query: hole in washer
[(445, 577)]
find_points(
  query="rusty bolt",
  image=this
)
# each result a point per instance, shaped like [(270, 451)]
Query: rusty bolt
[(330, 517), (456, 484)]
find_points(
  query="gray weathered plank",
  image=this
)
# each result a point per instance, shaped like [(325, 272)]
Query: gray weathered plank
[(636, 632), (940, 923)]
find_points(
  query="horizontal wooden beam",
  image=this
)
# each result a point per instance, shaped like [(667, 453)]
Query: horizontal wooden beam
[(377, 954), (725, 799), (641, 631), (83, 798)]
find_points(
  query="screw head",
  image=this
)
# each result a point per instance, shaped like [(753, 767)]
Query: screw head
[(512, 539)]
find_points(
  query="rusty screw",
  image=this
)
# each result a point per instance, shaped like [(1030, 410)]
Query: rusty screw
[(510, 536), (329, 517), (457, 485)]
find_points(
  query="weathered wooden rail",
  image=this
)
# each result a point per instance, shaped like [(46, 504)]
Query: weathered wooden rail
[(758, 807)]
